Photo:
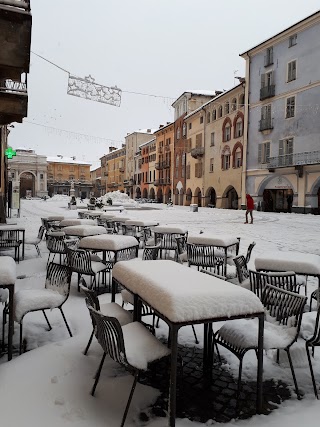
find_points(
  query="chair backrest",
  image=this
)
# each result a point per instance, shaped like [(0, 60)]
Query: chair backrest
[(55, 242), (168, 240), (90, 295), (200, 255), (242, 268), (284, 306), (41, 232), (257, 282), (109, 335), (315, 339), (211, 273), (58, 278), (286, 280), (128, 253), (249, 251), (150, 252), (181, 244), (79, 261), (9, 238)]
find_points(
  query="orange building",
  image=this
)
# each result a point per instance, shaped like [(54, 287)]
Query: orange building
[(164, 153)]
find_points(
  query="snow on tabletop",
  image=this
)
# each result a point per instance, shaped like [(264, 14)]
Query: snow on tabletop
[(243, 333), (35, 299), (7, 270), (84, 230), (141, 346), (211, 239), (75, 221), (141, 223), (113, 208), (285, 261), (120, 218), (107, 216), (184, 294), (169, 229), (112, 242), (55, 218), (11, 227)]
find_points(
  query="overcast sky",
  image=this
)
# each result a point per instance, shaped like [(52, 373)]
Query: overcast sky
[(156, 47)]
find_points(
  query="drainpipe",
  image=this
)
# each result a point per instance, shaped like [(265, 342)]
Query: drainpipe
[(204, 146), (246, 133)]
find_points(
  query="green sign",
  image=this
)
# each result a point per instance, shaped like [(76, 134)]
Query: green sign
[(10, 153)]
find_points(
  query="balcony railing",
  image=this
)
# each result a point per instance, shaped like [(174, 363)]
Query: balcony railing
[(11, 86), (23, 4), (267, 92), (265, 124), (197, 152), (156, 182), (162, 165), (296, 159)]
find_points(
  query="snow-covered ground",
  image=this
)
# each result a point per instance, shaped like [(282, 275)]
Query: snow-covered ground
[(49, 385)]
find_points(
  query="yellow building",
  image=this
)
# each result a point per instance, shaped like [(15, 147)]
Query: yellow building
[(164, 155), (113, 168), (64, 170)]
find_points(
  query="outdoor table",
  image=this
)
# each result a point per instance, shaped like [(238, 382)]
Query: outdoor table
[(76, 221), (225, 242), (21, 231), (141, 224), (181, 296), (165, 235), (7, 281), (113, 208), (121, 246), (55, 218), (84, 230), (107, 215), (299, 262)]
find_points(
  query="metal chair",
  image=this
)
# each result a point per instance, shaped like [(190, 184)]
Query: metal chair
[(181, 250), (167, 241), (201, 256), (285, 311), (313, 342), (55, 241), (116, 342), (313, 296), (10, 239), (108, 309), (242, 268), (249, 251), (54, 295), (35, 242), (150, 253)]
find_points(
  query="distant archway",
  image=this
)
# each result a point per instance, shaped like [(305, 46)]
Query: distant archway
[(145, 193), (176, 196), (231, 198), (27, 184), (181, 197), (152, 194), (188, 197), (138, 193), (211, 196), (198, 196), (159, 196)]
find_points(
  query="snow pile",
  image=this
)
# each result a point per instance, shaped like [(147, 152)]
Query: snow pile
[(118, 199)]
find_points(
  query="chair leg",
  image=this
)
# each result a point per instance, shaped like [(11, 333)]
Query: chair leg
[(136, 377), (293, 374), (38, 250), (97, 376), (20, 340), (311, 372), (239, 379), (65, 321), (195, 335), (47, 320), (89, 343)]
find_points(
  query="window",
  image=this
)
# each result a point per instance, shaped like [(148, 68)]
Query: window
[(201, 119), (268, 59), (190, 126), (12, 175), (178, 132), (293, 40), (184, 130), (82, 178), (226, 108), (188, 171), (212, 139), (286, 152), (211, 165), (290, 107), (226, 161), (71, 177), (208, 117), (59, 168), (234, 104), (59, 177), (220, 111), (266, 120), (227, 133), (264, 152), (198, 170), (177, 160), (71, 168), (239, 128), (241, 100), (238, 158), (292, 71), (214, 115)]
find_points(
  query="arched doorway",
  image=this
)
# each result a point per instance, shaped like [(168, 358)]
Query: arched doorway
[(152, 195), (27, 184), (138, 193), (232, 199), (211, 197), (277, 200), (188, 197), (176, 196), (159, 196), (145, 193), (168, 195), (198, 196), (181, 197)]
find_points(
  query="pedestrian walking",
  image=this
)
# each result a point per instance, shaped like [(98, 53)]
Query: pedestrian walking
[(250, 207)]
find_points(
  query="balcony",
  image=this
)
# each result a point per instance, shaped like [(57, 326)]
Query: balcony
[(165, 181), (128, 183), (162, 165), (167, 148), (197, 152), (266, 124), (113, 185), (121, 169), (297, 159), (267, 92), (156, 182)]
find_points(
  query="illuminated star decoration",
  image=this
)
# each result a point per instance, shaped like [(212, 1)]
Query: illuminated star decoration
[(10, 153)]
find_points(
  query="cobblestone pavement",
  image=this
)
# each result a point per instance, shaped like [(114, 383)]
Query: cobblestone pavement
[(200, 401)]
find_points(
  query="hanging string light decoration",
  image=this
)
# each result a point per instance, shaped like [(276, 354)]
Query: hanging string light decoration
[(87, 88)]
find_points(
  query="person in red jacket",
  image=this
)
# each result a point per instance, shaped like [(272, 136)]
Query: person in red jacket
[(250, 207)]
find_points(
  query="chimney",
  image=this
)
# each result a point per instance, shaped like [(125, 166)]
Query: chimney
[(123, 145), (149, 130), (160, 126), (218, 92), (112, 149), (73, 157)]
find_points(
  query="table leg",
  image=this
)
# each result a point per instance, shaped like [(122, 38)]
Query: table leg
[(23, 236), (173, 376), (11, 323), (113, 290), (260, 365)]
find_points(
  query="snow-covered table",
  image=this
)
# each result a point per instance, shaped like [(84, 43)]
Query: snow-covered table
[(76, 221), (225, 242), (21, 230), (113, 208), (84, 230), (7, 281), (181, 296)]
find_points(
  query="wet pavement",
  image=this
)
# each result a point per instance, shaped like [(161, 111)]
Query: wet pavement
[(201, 400)]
